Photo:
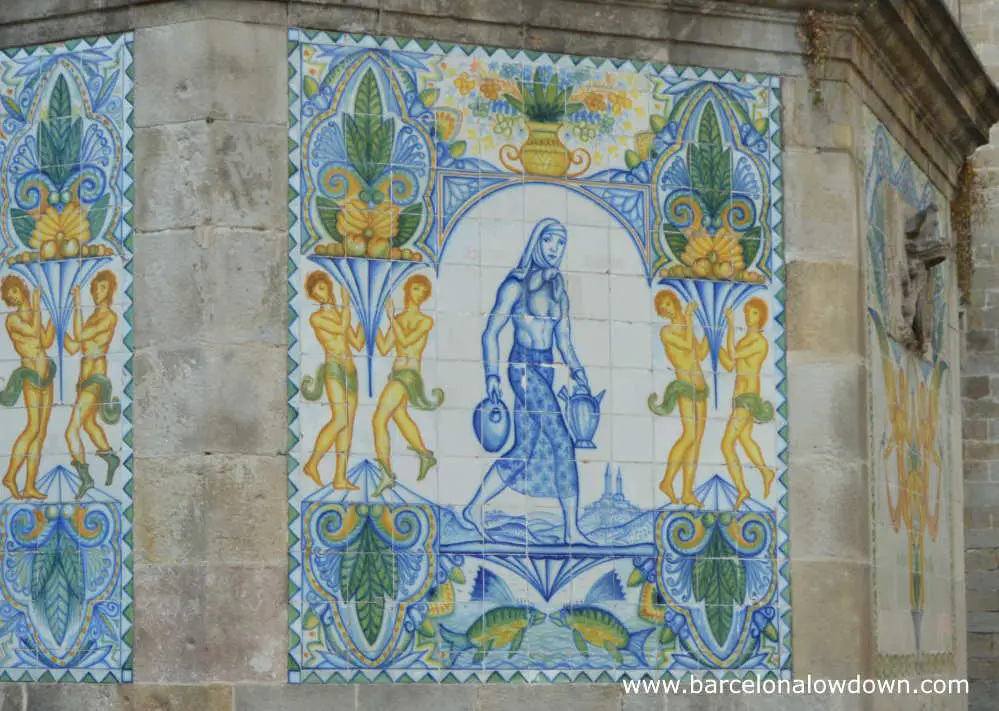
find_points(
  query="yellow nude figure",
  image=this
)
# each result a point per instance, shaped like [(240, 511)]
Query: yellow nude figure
[(690, 391), (93, 388), (337, 374), (897, 392), (746, 357), (31, 340), (407, 333)]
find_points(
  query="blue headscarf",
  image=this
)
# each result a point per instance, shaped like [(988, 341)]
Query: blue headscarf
[(533, 257)]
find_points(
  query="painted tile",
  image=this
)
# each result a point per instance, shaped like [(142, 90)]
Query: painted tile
[(536, 375), (66, 360), (911, 430)]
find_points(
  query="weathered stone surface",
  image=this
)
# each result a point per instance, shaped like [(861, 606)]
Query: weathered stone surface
[(210, 284), (13, 697), (837, 498), (837, 429), (306, 697), (169, 624), (823, 303), (831, 125), (821, 196), (141, 697), (246, 622), (831, 619), (214, 399), (529, 697), (182, 66), (227, 508), (982, 695), (211, 172), (418, 697)]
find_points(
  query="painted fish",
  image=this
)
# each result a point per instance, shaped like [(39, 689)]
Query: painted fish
[(593, 625), (502, 626)]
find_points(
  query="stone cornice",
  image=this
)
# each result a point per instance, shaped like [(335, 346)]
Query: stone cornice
[(912, 47)]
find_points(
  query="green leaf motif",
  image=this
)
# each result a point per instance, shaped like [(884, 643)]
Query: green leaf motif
[(24, 225), (328, 210), (369, 138), (409, 222), (720, 583), (57, 584), (368, 579), (60, 102), (710, 164), (677, 243), (310, 87), (12, 108), (368, 100), (428, 97), (96, 216)]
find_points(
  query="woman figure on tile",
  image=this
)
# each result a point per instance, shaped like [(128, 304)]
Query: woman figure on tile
[(541, 462)]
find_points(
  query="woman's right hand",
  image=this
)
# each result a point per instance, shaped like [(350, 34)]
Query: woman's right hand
[(493, 390)]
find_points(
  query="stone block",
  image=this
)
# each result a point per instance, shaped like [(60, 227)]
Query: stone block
[(982, 695), (980, 559), (822, 207), (416, 697), (142, 697), (647, 21), (213, 285), (173, 284), (249, 275), (837, 429), (835, 493), (216, 509), (246, 622), (169, 624), (980, 645), (824, 307), (531, 697), (181, 67), (830, 125), (171, 166), (210, 400), (831, 619), (983, 622), (448, 29), (357, 16), (304, 697), (62, 697), (211, 172)]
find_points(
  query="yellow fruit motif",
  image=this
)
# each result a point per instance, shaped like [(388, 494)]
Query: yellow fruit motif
[(379, 248), (59, 226), (49, 250), (356, 246), (720, 249), (70, 248)]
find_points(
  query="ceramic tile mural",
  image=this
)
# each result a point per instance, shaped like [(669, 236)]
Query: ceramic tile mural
[(910, 429), (536, 378), (65, 361)]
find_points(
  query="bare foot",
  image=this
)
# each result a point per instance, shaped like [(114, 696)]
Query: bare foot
[(689, 499), (33, 493), (667, 488), (741, 499), (312, 472), (768, 480), (343, 484), (11, 485)]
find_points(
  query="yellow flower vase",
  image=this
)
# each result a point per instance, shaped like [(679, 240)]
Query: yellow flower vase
[(543, 153)]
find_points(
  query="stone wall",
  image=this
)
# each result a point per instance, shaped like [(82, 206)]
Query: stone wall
[(211, 125), (980, 21)]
